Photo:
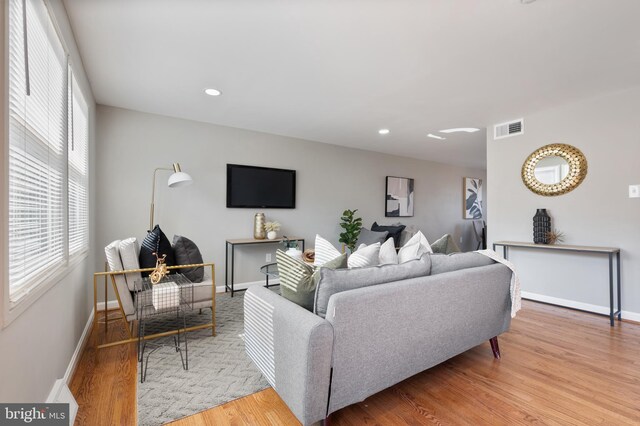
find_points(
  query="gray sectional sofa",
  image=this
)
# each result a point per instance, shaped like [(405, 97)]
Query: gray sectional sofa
[(377, 335)]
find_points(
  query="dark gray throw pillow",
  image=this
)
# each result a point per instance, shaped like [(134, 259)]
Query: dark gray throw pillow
[(155, 242), (441, 263), (187, 253), (336, 281), (394, 232), (371, 237)]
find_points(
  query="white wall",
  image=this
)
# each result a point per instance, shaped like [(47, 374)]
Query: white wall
[(36, 347), (329, 180), (607, 130)]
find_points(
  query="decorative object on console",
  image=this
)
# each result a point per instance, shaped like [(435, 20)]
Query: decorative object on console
[(399, 197), (186, 252), (177, 178), (352, 226), (272, 229), (309, 255), (541, 226), (554, 169), (155, 242), (258, 226), (445, 245), (555, 236), (161, 270), (472, 198), (394, 231)]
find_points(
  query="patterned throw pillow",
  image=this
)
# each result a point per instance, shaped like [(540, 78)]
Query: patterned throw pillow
[(298, 280), (414, 248), (325, 251), (364, 256), (155, 242)]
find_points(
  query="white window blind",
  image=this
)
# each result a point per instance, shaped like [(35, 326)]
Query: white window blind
[(78, 180), (37, 147)]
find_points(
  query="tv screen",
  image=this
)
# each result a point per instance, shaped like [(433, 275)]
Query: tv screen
[(260, 187)]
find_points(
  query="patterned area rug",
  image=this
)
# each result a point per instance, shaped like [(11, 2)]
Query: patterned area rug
[(219, 370)]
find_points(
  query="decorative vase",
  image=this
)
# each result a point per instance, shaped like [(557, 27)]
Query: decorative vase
[(258, 227), (271, 235), (541, 226)]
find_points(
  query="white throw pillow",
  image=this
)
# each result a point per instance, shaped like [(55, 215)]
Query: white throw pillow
[(414, 248), (129, 253), (388, 254), (364, 256), (325, 251)]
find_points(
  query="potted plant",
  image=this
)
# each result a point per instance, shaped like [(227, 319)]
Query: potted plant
[(272, 229), (292, 248), (351, 226)]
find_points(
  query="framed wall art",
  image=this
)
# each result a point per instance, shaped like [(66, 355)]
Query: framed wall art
[(399, 197)]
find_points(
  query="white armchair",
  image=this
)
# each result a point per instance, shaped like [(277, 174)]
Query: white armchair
[(123, 270)]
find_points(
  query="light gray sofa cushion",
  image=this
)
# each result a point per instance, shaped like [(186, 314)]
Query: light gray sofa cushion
[(369, 237), (336, 281), (441, 263)]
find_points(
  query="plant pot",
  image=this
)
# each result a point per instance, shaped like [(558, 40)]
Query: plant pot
[(271, 235)]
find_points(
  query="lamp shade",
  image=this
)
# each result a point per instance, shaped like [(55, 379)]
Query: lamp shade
[(179, 179)]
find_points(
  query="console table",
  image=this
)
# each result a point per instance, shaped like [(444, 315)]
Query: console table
[(230, 250), (609, 251)]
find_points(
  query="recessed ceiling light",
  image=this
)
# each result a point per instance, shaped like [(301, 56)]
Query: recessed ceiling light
[(383, 131), (431, 135), (460, 129), (212, 92)]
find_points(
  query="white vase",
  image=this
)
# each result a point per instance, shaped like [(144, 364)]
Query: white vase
[(272, 235)]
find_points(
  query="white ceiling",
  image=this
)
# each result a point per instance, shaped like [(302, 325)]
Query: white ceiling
[(336, 71)]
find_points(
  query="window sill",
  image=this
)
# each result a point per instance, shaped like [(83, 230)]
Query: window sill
[(13, 309)]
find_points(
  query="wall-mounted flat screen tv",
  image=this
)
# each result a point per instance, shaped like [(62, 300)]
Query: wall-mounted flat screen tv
[(260, 187)]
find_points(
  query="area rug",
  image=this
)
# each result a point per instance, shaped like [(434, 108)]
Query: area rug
[(219, 370)]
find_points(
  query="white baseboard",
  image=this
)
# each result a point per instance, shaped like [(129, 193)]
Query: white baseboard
[(246, 285), (597, 309), (111, 304)]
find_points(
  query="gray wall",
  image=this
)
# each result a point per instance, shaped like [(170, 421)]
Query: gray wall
[(598, 212), (37, 346), (329, 180)]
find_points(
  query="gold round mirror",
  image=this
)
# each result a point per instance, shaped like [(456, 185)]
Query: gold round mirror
[(554, 169)]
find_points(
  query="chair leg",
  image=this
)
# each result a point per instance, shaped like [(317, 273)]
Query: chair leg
[(494, 347)]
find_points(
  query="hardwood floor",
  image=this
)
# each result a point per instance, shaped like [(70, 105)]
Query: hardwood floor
[(558, 367)]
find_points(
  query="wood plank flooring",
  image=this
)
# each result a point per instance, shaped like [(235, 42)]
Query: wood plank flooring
[(558, 367)]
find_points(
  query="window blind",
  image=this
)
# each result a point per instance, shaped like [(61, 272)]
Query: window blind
[(77, 169), (37, 146)]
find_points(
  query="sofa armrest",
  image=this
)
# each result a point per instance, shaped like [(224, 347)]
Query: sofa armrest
[(292, 347)]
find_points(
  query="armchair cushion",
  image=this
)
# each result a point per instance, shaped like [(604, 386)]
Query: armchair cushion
[(129, 250), (115, 264)]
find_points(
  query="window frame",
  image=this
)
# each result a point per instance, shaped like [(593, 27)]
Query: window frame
[(12, 309)]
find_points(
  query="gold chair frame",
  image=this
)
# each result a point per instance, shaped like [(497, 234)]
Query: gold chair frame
[(129, 324)]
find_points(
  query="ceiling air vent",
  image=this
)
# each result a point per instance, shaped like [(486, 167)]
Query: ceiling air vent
[(508, 129)]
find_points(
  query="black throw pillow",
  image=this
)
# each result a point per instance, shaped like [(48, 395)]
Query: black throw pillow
[(394, 232), (155, 242), (187, 253)]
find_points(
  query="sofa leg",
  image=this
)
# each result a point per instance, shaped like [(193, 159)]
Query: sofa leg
[(494, 347)]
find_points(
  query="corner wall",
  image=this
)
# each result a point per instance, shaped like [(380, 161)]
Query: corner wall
[(607, 130), (330, 179)]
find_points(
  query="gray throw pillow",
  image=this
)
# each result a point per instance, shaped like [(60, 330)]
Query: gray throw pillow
[(441, 263), (298, 279), (186, 252), (445, 245), (368, 237), (336, 281)]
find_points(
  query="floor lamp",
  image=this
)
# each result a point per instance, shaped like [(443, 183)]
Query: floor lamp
[(178, 178)]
